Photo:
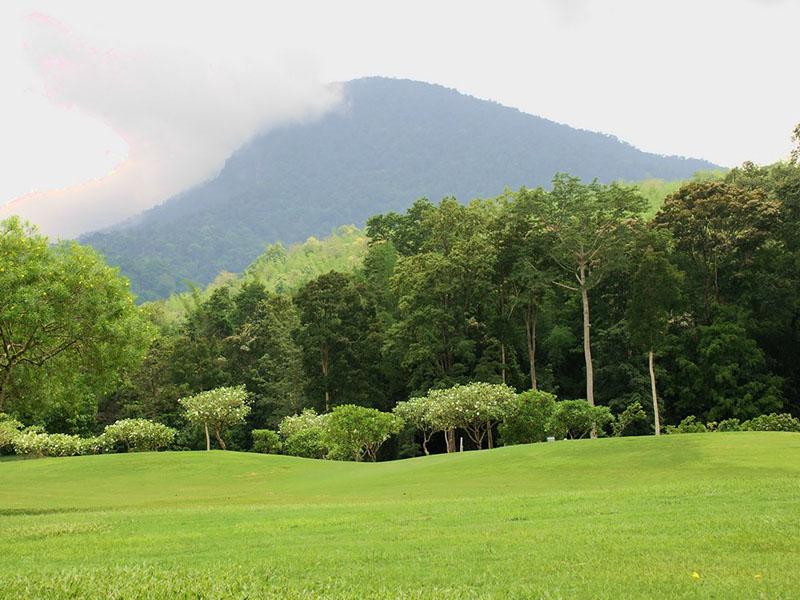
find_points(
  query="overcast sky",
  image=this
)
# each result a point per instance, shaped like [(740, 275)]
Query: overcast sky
[(109, 107)]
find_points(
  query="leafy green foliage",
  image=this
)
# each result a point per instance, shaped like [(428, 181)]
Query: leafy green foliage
[(633, 414), (688, 425), (576, 418), (355, 432), (772, 422), (139, 435), (68, 329), (303, 434), (217, 409), (266, 441), (528, 418)]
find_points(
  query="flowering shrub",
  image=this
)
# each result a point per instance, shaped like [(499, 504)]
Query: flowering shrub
[(772, 422), (354, 432), (729, 425), (9, 430), (139, 435), (303, 434), (689, 425), (32, 442), (217, 409)]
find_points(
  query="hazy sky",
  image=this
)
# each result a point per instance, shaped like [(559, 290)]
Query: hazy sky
[(109, 107)]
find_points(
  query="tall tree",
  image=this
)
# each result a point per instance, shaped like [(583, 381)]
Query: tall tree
[(68, 329), (655, 293), (588, 226)]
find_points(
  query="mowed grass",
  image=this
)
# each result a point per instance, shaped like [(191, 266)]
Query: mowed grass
[(708, 515)]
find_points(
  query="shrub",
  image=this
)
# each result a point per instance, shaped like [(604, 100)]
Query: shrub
[(575, 418), (689, 425), (772, 422), (266, 441), (9, 430), (303, 434), (139, 435), (633, 413), (729, 425), (527, 418), (355, 432), (31, 442)]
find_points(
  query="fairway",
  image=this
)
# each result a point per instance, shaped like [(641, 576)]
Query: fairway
[(706, 515)]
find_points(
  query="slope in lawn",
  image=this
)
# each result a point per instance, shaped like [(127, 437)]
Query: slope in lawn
[(609, 518)]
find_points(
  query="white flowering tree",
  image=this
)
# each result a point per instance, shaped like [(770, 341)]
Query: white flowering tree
[(416, 412), (475, 408), (354, 432), (216, 410)]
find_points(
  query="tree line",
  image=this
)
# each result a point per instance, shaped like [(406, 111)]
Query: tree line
[(576, 290)]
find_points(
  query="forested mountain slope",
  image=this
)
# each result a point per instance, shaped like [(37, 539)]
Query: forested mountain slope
[(390, 142)]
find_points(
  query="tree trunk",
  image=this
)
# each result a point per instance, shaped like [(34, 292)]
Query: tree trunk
[(653, 388), (490, 439), (530, 332), (426, 437), (325, 362), (219, 439), (446, 434), (587, 345), (208, 439), (4, 386), (503, 361)]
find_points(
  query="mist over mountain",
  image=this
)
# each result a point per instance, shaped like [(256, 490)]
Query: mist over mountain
[(387, 144)]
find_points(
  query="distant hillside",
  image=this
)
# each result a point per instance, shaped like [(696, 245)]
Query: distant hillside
[(391, 142), (282, 269)]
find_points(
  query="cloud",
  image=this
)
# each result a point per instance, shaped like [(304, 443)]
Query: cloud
[(181, 116)]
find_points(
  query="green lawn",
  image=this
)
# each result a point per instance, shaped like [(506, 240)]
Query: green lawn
[(610, 518)]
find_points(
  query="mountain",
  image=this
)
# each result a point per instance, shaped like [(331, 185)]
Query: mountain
[(388, 143)]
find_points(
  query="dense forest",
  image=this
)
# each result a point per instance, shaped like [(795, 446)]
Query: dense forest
[(388, 143), (576, 290)]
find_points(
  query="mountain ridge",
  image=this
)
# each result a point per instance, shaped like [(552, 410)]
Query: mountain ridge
[(390, 142)]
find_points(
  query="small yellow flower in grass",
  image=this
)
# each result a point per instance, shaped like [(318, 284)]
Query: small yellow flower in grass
[(695, 575), (758, 577)]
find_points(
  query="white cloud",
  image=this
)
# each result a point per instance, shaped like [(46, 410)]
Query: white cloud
[(180, 114)]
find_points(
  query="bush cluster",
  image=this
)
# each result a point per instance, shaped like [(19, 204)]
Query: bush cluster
[(770, 422), (133, 434)]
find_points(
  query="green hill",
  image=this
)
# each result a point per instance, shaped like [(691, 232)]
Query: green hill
[(390, 142), (709, 515)]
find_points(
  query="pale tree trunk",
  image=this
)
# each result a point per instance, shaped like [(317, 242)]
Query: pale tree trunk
[(587, 344), (325, 363), (530, 333), (426, 437), (219, 439), (208, 438), (653, 389), (503, 361)]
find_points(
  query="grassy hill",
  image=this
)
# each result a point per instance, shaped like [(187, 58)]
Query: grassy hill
[(612, 518)]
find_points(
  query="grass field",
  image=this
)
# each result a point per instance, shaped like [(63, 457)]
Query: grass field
[(708, 515)]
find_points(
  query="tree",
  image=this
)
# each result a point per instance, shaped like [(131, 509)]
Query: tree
[(217, 409), (416, 413), (354, 432), (338, 319), (577, 418), (588, 227), (718, 228), (523, 275), (68, 329), (654, 296), (795, 156), (527, 418)]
